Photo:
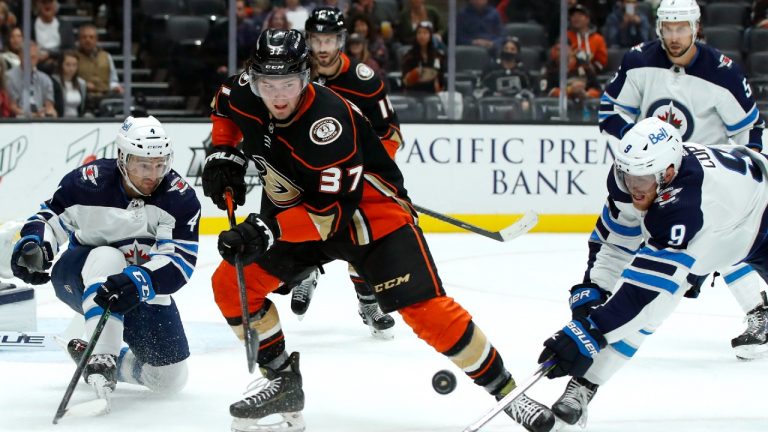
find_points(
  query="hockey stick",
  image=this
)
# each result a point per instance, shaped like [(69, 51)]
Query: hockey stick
[(83, 361), (511, 396), (251, 340), (522, 226)]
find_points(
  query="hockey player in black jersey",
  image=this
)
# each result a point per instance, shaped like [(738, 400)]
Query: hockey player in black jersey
[(333, 193), (357, 83)]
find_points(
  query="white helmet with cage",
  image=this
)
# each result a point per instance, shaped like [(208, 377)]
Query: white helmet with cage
[(678, 11), (143, 140), (648, 149)]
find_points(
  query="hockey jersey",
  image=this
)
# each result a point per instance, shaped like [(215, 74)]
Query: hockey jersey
[(709, 101), (707, 218), (325, 172), (358, 83), (159, 232)]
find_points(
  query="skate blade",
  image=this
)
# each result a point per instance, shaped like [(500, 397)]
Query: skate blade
[(751, 352), (386, 334), (280, 422), (93, 408)]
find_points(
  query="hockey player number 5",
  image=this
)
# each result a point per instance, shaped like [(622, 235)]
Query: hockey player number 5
[(330, 179)]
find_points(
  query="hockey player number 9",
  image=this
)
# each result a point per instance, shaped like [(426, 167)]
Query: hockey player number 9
[(330, 179)]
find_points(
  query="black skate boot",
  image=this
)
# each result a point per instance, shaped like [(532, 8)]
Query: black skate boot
[(532, 415), (377, 321), (76, 348), (302, 293), (101, 373), (753, 343), (278, 392), (572, 405)]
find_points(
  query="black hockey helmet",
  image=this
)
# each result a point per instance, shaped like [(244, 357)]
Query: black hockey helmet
[(325, 19), (278, 53)]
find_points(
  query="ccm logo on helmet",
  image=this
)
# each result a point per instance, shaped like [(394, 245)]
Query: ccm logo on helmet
[(661, 136)]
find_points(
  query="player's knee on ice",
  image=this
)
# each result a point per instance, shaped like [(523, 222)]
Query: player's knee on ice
[(102, 261), (167, 379)]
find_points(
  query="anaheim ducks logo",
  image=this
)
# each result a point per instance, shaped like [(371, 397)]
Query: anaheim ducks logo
[(244, 79), (325, 131), (281, 191), (364, 72)]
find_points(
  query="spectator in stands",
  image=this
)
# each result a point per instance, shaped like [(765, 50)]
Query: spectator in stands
[(357, 48), (248, 29), (414, 13), (7, 22), (480, 25), (759, 16), (625, 27), (277, 19), (383, 16), (12, 55), (6, 107), (582, 79), (296, 14), (40, 91), (507, 76), (587, 43), (363, 26), (69, 90), (96, 66), (424, 65), (51, 34)]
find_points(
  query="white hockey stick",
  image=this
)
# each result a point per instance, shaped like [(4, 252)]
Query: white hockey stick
[(511, 396), (522, 226)]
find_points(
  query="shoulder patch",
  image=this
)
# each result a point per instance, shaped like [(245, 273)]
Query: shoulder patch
[(179, 184), (325, 131), (364, 72), (90, 173), (244, 79), (668, 196)]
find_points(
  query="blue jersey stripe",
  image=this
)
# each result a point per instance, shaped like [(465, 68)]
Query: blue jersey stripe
[(651, 280), (738, 274), (624, 348), (617, 227), (678, 257), (748, 120)]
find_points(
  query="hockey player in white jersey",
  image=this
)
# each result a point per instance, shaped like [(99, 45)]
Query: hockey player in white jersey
[(132, 230), (675, 212), (707, 97)]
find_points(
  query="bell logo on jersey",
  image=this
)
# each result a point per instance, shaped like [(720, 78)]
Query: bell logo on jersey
[(675, 113), (325, 131), (178, 184)]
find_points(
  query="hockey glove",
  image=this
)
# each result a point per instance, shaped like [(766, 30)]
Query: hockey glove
[(573, 348), (30, 260), (251, 239), (584, 298), (225, 168), (127, 289)]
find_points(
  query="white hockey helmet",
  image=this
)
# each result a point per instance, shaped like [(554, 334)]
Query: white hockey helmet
[(678, 11), (143, 138), (648, 149)]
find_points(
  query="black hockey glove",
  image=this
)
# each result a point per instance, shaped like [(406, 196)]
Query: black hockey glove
[(573, 348), (224, 168), (30, 260), (251, 239), (585, 297), (127, 289)]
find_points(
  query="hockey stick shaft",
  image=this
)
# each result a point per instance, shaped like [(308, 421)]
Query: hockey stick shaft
[(524, 225), (83, 361), (511, 396), (250, 339)]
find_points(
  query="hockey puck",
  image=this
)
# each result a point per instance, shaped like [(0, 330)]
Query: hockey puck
[(444, 381)]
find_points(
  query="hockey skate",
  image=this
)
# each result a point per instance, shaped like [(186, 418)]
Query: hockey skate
[(753, 343), (302, 293), (377, 321), (275, 405), (532, 415), (572, 405)]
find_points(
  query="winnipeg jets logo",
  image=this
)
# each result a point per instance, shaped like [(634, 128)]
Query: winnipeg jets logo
[(280, 190), (90, 173), (667, 196), (725, 62), (178, 184), (675, 113), (136, 256)]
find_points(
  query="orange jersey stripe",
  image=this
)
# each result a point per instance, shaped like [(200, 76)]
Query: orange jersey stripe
[(224, 131)]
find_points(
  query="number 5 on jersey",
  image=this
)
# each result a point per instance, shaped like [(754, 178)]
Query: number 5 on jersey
[(331, 178)]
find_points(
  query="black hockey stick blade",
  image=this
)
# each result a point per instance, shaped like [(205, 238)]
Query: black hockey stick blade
[(83, 361), (511, 396), (249, 334), (520, 227)]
